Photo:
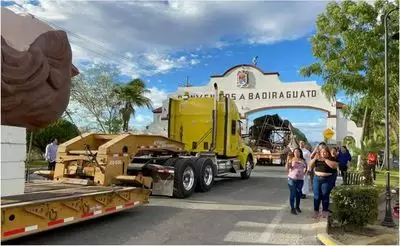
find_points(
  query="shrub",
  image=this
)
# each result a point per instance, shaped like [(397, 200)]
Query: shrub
[(62, 129), (355, 205)]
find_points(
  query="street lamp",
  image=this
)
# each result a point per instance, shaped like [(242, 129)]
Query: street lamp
[(388, 220)]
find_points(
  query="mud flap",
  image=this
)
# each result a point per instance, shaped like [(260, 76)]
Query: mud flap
[(163, 182)]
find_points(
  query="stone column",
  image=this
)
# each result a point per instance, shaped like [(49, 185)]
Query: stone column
[(13, 156)]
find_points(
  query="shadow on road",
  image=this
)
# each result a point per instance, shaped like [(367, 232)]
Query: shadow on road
[(174, 225)]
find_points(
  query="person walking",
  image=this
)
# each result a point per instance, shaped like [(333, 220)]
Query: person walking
[(372, 161), (307, 157), (310, 172), (51, 154), (334, 154), (344, 157), (324, 168), (297, 168), (317, 149)]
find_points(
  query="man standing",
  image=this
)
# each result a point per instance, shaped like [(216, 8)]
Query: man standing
[(307, 157), (372, 161), (51, 153), (344, 158)]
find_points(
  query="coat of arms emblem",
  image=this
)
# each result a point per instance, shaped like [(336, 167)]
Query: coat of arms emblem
[(242, 79)]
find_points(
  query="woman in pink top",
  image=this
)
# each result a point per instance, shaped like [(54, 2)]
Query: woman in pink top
[(297, 168)]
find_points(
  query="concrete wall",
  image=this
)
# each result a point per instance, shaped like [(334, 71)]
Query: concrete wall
[(13, 155)]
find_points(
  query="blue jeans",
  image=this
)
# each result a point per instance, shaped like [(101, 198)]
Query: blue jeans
[(322, 187), (295, 187)]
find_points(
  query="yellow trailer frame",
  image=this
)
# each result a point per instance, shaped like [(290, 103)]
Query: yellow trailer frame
[(48, 205)]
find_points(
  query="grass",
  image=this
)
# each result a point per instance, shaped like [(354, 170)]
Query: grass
[(38, 163), (381, 175), (381, 178)]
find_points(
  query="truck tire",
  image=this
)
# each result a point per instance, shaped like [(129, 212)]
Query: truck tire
[(185, 178), (171, 161), (249, 166), (205, 173)]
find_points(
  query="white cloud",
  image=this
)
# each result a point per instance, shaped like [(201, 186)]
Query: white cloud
[(140, 121), (145, 37), (142, 118), (157, 96)]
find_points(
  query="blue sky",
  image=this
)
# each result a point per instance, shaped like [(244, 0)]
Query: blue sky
[(164, 42)]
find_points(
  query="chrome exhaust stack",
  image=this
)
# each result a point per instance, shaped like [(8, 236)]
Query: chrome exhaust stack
[(214, 119)]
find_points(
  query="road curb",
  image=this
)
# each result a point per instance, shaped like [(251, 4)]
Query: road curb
[(325, 239), (385, 239)]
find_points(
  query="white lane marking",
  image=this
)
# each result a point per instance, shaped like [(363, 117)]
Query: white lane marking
[(286, 226), (267, 234), (212, 206), (247, 236)]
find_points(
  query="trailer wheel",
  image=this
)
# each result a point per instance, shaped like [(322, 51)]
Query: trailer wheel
[(249, 166), (205, 173), (185, 178)]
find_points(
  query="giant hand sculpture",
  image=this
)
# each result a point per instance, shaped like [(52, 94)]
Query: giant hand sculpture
[(35, 84)]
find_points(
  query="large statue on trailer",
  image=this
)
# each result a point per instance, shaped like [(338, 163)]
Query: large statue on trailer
[(272, 137), (36, 71)]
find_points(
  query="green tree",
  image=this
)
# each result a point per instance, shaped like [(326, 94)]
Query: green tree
[(62, 129), (96, 103), (349, 48), (132, 95)]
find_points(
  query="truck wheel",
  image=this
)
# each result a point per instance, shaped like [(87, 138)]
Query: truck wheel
[(205, 174), (249, 166), (171, 161), (185, 178)]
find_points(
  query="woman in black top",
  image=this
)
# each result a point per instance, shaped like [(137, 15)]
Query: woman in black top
[(324, 167)]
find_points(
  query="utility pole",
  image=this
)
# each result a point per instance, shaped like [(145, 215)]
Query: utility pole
[(388, 220), (186, 84)]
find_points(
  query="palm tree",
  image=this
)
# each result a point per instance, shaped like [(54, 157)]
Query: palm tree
[(131, 95)]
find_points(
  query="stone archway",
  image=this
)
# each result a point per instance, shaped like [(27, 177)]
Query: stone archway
[(253, 90)]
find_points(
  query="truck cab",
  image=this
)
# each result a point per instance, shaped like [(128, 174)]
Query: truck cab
[(211, 126)]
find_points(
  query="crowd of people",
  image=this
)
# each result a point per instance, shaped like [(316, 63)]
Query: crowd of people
[(315, 170)]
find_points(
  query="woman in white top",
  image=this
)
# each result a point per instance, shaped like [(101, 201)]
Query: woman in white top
[(307, 156)]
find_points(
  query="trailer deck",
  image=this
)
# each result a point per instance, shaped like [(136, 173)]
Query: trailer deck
[(37, 192), (49, 205)]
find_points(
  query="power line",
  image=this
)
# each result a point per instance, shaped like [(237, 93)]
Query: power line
[(79, 37)]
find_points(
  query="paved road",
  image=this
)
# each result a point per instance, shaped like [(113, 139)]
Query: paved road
[(235, 211)]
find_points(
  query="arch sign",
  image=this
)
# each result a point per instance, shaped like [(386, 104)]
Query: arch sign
[(254, 90)]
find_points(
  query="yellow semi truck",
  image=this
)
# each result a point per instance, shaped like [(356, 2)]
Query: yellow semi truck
[(99, 174), (209, 129)]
